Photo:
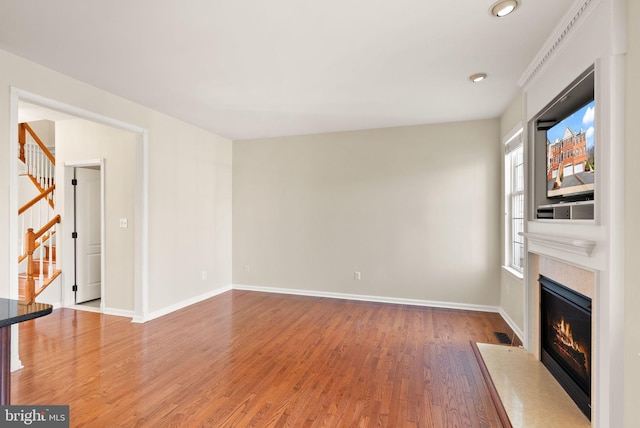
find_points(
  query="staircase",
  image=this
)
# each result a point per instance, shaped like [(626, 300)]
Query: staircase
[(37, 218)]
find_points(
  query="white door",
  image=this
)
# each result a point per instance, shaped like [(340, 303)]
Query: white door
[(88, 241)]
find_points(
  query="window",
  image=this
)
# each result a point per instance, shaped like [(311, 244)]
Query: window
[(514, 201)]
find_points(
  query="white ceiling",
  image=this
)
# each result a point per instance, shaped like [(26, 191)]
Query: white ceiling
[(254, 68)]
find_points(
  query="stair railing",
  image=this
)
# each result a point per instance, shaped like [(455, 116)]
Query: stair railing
[(38, 160), (34, 240), (39, 166), (34, 214)]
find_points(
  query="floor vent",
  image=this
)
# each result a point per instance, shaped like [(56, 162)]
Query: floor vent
[(503, 338)]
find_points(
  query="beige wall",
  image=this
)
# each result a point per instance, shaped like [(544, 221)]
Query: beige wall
[(632, 223), (46, 131), (511, 286), (512, 117), (414, 209), (81, 140), (191, 206), (186, 235)]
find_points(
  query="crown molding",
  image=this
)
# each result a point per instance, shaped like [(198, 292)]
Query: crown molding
[(563, 30)]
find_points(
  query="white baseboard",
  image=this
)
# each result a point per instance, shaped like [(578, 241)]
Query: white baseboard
[(117, 312), (179, 305), (512, 324), (367, 298), (326, 294)]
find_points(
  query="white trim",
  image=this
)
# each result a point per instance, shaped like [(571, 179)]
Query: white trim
[(118, 312), (32, 98), (583, 247), (103, 310), (513, 143), (141, 298), (619, 42), (517, 131), (369, 298), (13, 199), (612, 367), (86, 308), (13, 223), (181, 305), (84, 163), (512, 324), (514, 272)]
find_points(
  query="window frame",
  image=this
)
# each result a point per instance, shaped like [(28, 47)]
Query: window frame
[(514, 192)]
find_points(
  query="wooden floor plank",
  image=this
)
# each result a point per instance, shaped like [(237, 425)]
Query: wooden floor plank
[(256, 359)]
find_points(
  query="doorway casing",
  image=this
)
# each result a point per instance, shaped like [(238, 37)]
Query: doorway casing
[(140, 312)]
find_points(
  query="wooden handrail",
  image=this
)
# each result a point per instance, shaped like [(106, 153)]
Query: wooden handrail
[(35, 200), (30, 238), (44, 228), (37, 140)]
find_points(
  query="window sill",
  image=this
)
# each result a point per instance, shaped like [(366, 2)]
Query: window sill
[(515, 273)]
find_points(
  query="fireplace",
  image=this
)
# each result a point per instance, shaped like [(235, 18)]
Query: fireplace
[(565, 330)]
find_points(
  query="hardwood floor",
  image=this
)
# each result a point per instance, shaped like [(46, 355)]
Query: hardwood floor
[(256, 359)]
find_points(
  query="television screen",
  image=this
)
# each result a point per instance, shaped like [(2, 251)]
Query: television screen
[(570, 155)]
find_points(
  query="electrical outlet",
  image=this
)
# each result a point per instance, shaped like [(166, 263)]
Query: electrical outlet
[(357, 276), (124, 222), (204, 274)]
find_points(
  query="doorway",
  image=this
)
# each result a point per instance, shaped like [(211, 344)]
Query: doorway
[(84, 183), (87, 234), (135, 288)]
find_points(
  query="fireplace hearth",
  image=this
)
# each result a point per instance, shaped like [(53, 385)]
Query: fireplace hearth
[(565, 327)]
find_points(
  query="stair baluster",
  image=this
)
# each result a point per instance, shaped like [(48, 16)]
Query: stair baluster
[(39, 166), (32, 243), (52, 267), (41, 271)]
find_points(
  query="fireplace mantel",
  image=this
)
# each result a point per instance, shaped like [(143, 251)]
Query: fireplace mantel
[(583, 247)]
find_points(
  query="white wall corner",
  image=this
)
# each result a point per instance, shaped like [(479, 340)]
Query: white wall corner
[(517, 330), (180, 305)]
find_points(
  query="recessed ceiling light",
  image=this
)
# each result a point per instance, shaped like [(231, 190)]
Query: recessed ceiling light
[(503, 8), (478, 77)]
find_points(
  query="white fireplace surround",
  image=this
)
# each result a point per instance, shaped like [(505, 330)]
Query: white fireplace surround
[(538, 241), (585, 255), (574, 277)]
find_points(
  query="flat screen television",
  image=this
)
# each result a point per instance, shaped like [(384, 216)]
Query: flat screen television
[(570, 156)]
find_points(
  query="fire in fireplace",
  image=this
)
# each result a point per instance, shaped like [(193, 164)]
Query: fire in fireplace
[(565, 321)]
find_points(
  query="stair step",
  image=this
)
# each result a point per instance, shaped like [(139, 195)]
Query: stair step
[(36, 267), (22, 282)]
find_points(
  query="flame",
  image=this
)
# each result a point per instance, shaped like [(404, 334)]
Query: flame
[(564, 338)]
